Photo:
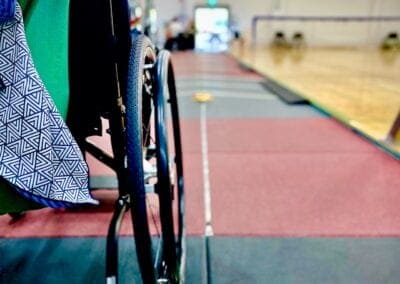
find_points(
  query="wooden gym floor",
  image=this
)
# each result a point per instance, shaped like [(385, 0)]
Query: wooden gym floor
[(358, 86)]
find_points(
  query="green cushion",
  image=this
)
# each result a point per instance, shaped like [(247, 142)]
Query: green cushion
[(46, 27)]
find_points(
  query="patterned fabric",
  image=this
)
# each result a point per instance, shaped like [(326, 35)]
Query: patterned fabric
[(7, 10), (38, 154)]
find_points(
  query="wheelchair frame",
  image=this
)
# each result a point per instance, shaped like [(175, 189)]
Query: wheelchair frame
[(140, 83)]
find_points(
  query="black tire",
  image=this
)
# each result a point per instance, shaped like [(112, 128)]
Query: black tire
[(169, 165), (152, 215), (141, 51)]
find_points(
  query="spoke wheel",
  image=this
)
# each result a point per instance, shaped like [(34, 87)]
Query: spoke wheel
[(170, 168), (152, 178)]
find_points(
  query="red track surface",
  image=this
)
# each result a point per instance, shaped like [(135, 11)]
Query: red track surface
[(269, 177), (307, 177), (188, 64), (93, 221)]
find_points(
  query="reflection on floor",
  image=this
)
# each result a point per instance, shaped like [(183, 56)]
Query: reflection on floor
[(359, 86)]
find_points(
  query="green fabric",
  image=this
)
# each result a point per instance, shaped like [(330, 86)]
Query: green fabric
[(47, 35), (23, 4), (12, 202), (46, 27)]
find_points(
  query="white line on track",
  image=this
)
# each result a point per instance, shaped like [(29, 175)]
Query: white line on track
[(206, 171)]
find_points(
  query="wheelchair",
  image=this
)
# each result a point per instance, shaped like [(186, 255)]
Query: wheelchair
[(116, 73)]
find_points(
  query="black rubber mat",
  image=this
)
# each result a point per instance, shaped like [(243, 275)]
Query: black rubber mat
[(246, 67), (81, 260), (283, 93)]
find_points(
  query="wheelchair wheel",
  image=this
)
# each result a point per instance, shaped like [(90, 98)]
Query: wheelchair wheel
[(148, 171), (169, 166)]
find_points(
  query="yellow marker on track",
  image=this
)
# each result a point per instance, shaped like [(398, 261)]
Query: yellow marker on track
[(203, 97)]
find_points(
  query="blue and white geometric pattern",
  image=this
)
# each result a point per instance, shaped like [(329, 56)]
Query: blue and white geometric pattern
[(38, 155)]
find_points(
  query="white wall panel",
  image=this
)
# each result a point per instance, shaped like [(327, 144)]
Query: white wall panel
[(315, 33)]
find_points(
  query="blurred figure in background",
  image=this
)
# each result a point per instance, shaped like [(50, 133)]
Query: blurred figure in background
[(173, 30), (187, 38)]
